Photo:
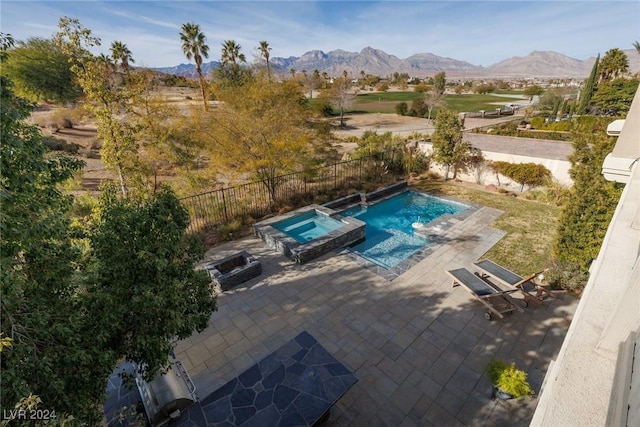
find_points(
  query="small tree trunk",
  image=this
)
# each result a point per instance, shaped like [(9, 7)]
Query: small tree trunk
[(123, 187), (204, 93)]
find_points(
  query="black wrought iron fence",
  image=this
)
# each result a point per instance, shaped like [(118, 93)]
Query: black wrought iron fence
[(217, 207)]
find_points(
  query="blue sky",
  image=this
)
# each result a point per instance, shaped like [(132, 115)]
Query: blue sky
[(480, 32)]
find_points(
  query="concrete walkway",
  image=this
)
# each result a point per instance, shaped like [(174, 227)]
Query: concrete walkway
[(417, 345)]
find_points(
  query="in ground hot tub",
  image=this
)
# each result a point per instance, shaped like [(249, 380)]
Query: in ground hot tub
[(308, 226), (309, 232)]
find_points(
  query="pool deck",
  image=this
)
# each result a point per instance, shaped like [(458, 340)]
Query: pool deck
[(417, 345)]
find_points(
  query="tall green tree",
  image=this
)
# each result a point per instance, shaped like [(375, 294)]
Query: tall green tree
[(448, 147), (194, 46), (40, 71), (592, 199), (589, 88)]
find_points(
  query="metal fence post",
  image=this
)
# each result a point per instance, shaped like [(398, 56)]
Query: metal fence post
[(224, 206)]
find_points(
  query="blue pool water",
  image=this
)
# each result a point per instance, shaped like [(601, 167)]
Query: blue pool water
[(307, 226), (390, 235)]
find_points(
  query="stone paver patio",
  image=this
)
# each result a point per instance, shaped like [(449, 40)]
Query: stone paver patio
[(417, 345)]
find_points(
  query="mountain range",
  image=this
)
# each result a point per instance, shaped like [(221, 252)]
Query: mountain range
[(376, 62)]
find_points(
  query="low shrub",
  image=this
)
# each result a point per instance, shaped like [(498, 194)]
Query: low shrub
[(57, 144), (566, 275), (66, 118), (322, 107), (508, 378), (433, 175), (554, 193), (232, 230)]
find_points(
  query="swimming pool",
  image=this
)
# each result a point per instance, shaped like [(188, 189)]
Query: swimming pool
[(390, 230)]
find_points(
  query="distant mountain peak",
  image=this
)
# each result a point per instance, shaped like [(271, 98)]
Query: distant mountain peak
[(377, 62)]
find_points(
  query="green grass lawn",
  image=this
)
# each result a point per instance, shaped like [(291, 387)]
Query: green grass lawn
[(510, 92), (475, 102), (385, 102), (367, 98), (530, 226)]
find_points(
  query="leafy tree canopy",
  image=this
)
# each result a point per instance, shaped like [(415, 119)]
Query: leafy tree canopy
[(613, 97), (550, 101), (142, 268), (41, 71), (532, 91), (448, 147), (263, 129)]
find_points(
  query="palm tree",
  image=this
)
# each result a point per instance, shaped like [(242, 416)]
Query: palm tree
[(230, 70), (121, 53), (292, 71), (636, 44), (231, 53), (264, 51), (194, 47), (106, 61), (613, 63)]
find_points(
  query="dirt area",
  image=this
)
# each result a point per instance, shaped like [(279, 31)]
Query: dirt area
[(84, 135), (356, 124)]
